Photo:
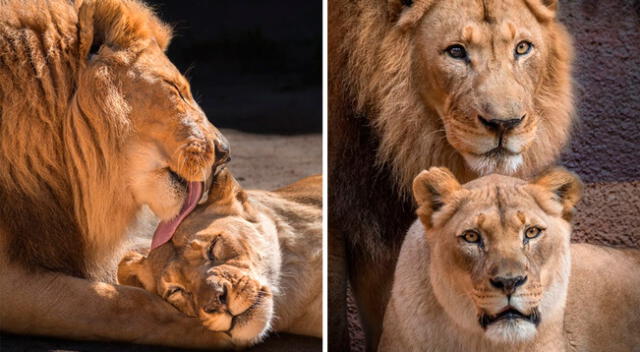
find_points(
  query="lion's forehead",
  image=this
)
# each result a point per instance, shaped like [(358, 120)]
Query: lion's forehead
[(498, 208), (483, 11)]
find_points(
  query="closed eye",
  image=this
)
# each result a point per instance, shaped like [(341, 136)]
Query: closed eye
[(174, 86), (172, 291)]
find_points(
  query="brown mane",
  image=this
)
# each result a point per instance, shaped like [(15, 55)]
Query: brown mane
[(63, 125)]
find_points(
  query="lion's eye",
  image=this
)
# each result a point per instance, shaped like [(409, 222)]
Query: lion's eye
[(532, 232), (456, 51), (523, 48), (471, 236)]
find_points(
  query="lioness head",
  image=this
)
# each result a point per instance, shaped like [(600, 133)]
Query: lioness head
[(221, 266), (499, 247), (483, 86), (129, 84)]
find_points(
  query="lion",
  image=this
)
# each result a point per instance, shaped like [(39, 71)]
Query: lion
[(476, 86), (95, 123), (245, 262), (489, 267)]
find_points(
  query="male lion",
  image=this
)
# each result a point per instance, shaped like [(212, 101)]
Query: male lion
[(244, 263), (489, 267), (95, 122), (477, 86)]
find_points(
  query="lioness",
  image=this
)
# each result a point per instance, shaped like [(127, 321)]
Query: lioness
[(244, 263), (489, 267)]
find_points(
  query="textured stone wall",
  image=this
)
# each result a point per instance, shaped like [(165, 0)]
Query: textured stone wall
[(606, 144), (605, 148)]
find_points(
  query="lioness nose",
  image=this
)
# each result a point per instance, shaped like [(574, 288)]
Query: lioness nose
[(217, 300), (501, 125), (508, 285), (222, 150)]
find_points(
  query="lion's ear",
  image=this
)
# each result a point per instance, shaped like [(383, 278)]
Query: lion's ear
[(544, 10), (431, 189), (134, 270), (408, 12), (119, 24), (565, 187)]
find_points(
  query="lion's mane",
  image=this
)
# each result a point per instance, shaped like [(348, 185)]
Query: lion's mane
[(63, 126)]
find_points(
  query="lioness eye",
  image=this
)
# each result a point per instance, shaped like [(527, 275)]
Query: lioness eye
[(456, 51), (471, 236), (532, 232), (211, 253), (523, 48), (173, 290)]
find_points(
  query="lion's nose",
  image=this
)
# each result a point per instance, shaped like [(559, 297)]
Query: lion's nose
[(217, 300), (508, 285), (501, 125)]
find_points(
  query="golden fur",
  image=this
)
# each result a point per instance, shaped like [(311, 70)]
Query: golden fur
[(425, 105), (448, 291), (399, 103), (244, 263), (94, 121)]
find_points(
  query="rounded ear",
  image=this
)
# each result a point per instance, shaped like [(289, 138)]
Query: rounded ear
[(544, 10), (408, 12), (431, 189), (565, 186), (133, 270), (119, 24)]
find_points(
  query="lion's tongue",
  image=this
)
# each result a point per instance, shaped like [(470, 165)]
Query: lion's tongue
[(166, 229)]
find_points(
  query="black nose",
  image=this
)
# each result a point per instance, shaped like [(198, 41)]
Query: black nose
[(217, 300), (222, 150), (508, 284), (501, 125)]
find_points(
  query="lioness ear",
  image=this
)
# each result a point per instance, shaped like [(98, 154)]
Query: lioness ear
[(565, 186), (544, 10), (431, 189), (133, 270), (224, 188)]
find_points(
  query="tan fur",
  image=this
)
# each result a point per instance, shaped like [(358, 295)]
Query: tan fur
[(93, 116), (253, 259), (586, 297)]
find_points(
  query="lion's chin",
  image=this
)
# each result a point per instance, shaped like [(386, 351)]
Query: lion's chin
[(511, 331), (485, 164)]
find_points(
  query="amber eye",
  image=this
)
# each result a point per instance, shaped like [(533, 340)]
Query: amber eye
[(471, 236), (523, 48), (456, 51), (532, 232)]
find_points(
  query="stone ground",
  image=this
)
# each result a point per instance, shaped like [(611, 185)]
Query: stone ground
[(258, 161)]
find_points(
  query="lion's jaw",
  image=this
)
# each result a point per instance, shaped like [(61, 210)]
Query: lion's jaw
[(467, 277)]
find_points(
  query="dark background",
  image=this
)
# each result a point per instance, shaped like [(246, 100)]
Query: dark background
[(254, 65)]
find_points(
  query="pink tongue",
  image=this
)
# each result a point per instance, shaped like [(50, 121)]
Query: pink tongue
[(166, 229)]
